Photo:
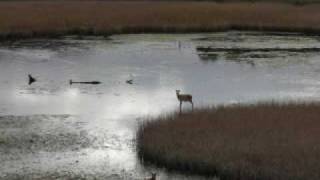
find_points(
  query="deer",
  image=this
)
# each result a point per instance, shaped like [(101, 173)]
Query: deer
[(184, 98)]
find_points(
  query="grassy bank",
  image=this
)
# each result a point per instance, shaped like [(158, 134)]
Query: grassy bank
[(262, 141), (52, 19)]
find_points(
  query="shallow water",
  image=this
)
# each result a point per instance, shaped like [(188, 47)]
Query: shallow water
[(52, 130)]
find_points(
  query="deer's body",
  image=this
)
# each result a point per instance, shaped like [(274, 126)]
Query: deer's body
[(153, 177), (184, 98)]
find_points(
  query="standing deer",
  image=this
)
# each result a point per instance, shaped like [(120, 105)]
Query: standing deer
[(184, 98)]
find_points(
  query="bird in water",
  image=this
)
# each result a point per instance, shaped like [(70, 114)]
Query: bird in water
[(31, 79), (130, 81)]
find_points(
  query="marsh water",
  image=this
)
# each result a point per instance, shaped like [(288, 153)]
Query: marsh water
[(51, 129)]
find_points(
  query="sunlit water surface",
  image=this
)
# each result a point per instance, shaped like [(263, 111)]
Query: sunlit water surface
[(51, 129)]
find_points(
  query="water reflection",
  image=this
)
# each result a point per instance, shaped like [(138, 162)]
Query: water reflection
[(88, 130)]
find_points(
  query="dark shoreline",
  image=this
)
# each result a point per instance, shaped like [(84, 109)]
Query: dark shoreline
[(80, 33)]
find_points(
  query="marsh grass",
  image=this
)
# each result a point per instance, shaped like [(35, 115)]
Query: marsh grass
[(21, 19), (2, 141), (260, 141)]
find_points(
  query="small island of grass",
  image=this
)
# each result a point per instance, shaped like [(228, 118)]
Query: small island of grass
[(261, 141)]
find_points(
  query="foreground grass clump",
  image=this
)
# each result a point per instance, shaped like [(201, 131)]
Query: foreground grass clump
[(262, 141), (22, 19)]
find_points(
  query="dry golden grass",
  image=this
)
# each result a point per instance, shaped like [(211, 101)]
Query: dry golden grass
[(97, 17), (262, 141)]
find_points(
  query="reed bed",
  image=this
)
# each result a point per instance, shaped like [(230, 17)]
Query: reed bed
[(244, 142), (55, 18)]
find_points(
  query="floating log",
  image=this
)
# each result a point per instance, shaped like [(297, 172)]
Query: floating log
[(84, 82)]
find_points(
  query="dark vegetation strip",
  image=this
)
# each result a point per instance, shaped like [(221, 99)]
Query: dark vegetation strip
[(294, 2), (247, 50), (245, 142), (28, 19)]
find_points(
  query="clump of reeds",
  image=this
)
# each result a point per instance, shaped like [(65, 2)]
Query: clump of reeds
[(260, 141), (23, 19)]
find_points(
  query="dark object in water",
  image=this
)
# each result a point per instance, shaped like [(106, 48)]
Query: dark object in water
[(31, 79), (129, 81), (84, 82)]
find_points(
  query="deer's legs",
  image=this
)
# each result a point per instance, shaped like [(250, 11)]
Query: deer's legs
[(180, 106), (191, 104)]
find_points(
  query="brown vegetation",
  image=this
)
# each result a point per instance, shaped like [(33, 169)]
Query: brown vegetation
[(49, 18), (262, 141)]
